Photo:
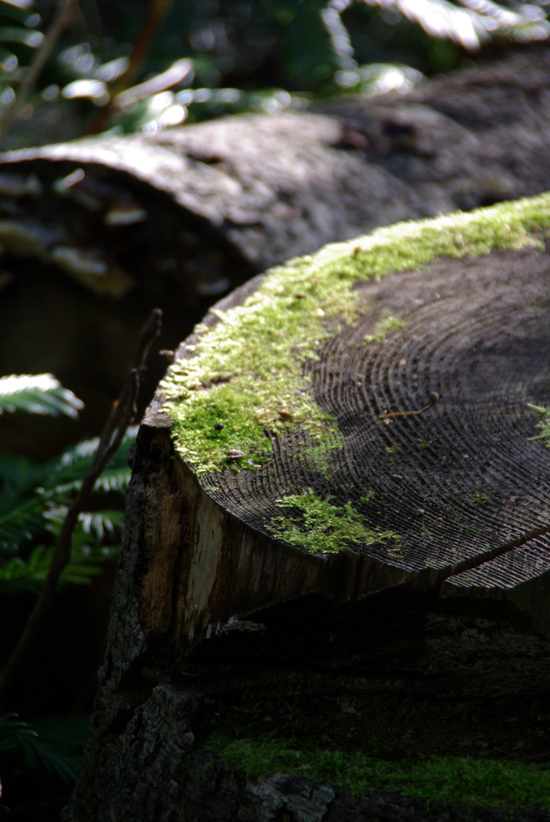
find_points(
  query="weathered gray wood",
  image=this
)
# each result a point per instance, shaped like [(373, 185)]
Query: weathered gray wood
[(207, 207), (177, 218), (461, 140), (438, 589)]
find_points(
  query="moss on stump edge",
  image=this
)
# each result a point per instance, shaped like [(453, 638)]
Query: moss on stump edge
[(245, 380)]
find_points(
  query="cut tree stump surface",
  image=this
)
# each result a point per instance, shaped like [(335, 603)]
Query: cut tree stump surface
[(460, 484), (296, 539), (402, 447)]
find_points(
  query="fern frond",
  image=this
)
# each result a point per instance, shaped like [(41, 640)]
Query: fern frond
[(57, 748), (67, 471), (25, 518), (39, 394), (40, 757), (24, 21), (98, 526), (114, 478), (17, 575), (21, 524), (52, 746), (12, 730), (18, 475)]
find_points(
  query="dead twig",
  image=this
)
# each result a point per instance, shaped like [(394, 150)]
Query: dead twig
[(156, 14), (123, 414), (434, 398)]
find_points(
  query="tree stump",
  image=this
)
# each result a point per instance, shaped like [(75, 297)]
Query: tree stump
[(339, 488), (94, 233), (97, 232)]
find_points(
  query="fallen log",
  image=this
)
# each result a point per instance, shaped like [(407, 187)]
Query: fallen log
[(339, 491), (174, 220), (96, 232)]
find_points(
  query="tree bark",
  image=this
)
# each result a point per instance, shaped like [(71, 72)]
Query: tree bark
[(382, 528)]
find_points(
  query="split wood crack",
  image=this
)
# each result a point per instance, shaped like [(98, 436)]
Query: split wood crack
[(487, 556), (480, 559)]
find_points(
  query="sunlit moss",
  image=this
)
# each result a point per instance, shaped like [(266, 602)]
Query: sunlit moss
[(381, 328), (543, 424), (247, 373), (314, 521)]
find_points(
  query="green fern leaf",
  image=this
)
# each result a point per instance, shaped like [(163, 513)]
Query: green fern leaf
[(100, 525), (20, 525), (20, 13), (40, 757), (13, 34), (12, 730), (40, 394), (57, 749), (68, 470), (18, 475), (115, 478), (24, 519), (92, 526), (17, 575)]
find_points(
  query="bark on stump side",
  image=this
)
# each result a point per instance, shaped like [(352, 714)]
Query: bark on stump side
[(388, 543), (178, 218)]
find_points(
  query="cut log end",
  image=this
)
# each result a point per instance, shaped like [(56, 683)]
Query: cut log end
[(384, 442)]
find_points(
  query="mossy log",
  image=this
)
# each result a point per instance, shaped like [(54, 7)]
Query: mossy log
[(96, 232), (340, 487)]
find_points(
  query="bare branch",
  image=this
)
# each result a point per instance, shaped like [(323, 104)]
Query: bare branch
[(156, 13), (122, 416)]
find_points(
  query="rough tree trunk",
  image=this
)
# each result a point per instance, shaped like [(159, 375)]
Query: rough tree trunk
[(336, 495), (178, 218)]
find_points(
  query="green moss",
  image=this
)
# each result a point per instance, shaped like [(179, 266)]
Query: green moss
[(381, 328), (446, 779), (247, 371), (321, 523), (543, 424), (321, 456), (479, 496)]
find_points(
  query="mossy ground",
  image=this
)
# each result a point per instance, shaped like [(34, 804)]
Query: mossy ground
[(247, 373), (492, 751), (443, 778)]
